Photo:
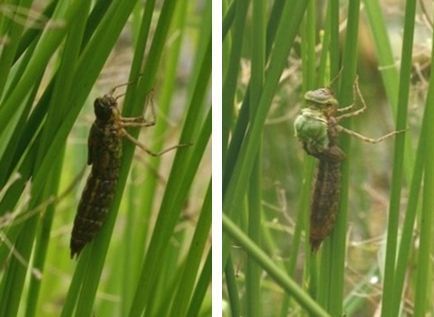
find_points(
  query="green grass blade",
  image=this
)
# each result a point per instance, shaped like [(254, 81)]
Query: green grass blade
[(398, 162), (8, 52), (275, 272), (62, 88), (31, 34), (284, 38), (230, 79), (388, 69), (42, 241), (202, 285), (424, 287), (303, 210), (175, 193), (135, 251), (228, 19), (186, 285), (232, 289), (243, 118), (253, 272), (337, 252), (47, 45)]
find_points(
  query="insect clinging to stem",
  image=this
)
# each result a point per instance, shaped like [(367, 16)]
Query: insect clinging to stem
[(317, 127), (104, 154)]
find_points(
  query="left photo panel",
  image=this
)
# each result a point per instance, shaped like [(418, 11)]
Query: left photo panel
[(105, 158)]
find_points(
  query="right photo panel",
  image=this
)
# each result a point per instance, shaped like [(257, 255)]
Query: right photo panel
[(327, 158)]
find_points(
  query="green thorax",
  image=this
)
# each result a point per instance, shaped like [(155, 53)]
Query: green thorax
[(311, 125)]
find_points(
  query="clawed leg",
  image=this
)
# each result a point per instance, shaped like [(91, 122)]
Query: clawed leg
[(345, 108), (140, 121), (144, 148), (136, 122), (364, 138), (339, 128), (356, 92)]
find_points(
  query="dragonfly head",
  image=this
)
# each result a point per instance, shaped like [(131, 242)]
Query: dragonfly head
[(105, 107), (323, 99)]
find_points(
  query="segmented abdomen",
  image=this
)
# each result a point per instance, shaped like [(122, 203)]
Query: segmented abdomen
[(104, 155), (325, 201)]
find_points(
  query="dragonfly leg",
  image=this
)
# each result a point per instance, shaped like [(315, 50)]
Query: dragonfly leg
[(366, 139), (356, 93), (351, 114), (141, 120), (345, 108), (136, 122), (348, 108), (144, 148)]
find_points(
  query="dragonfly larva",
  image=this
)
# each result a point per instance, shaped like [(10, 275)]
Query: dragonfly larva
[(317, 127), (104, 154)]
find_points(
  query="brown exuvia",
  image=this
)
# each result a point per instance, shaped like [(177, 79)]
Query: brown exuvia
[(105, 148)]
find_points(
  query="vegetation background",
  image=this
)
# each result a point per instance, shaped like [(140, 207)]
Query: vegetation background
[(379, 259), (153, 254)]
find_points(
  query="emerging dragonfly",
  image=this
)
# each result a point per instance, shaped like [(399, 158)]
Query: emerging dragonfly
[(105, 149), (317, 127)]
